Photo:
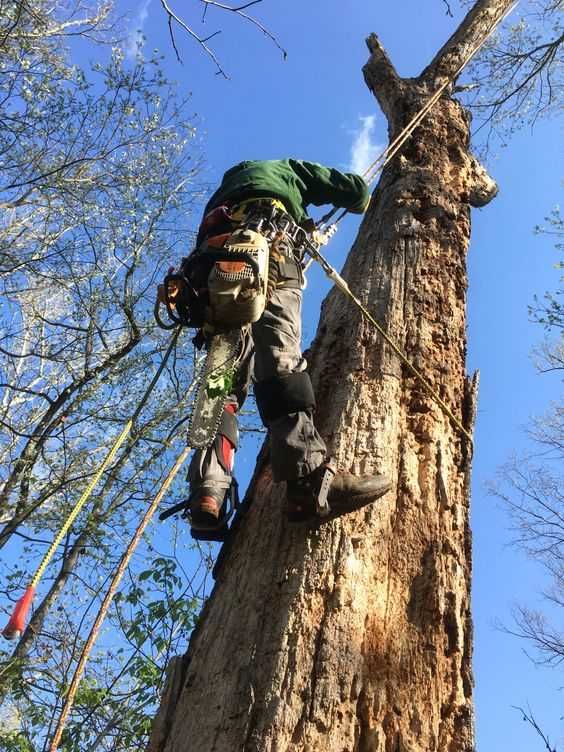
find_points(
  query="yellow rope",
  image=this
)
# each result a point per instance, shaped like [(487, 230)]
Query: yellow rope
[(109, 457), (80, 503), (109, 596)]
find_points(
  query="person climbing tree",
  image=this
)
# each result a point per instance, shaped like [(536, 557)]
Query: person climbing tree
[(358, 635), (269, 199)]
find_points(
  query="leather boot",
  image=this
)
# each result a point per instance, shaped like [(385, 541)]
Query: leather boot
[(205, 511), (327, 493)]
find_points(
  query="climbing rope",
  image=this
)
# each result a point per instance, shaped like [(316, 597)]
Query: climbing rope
[(334, 275), (369, 175), (17, 621), (384, 158), (109, 596)]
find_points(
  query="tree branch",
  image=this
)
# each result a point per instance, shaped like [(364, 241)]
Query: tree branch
[(478, 23), (550, 50), (201, 40), (380, 75), (51, 417), (448, 9), (529, 718), (239, 10)]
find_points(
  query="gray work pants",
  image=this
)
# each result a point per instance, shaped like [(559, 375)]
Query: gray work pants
[(296, 448)]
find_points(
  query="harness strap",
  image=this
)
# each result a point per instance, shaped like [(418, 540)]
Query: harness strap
[(241, 210)]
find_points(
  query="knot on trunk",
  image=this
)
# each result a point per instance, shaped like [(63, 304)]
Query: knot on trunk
[(481, 187)]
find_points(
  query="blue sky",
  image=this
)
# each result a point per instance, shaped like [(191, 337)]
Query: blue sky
[(315, 106)]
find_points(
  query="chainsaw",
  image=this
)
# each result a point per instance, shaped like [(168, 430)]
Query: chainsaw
[(220, 290)]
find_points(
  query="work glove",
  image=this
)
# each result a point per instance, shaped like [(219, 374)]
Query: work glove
[(322, 237)]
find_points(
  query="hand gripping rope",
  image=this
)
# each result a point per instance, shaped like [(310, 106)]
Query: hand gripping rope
[(16, 624)]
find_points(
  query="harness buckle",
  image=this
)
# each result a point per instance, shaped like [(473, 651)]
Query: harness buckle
[(322, 502)]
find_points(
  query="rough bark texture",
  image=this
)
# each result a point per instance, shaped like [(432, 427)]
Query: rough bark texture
[(356, 636)]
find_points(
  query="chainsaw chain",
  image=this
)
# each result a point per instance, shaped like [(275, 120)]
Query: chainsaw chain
[(223, 352)]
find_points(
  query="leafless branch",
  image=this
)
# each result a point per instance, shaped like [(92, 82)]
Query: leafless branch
[(549, 50), (448, 8), (528, 717), (200, 40), (238, 10)]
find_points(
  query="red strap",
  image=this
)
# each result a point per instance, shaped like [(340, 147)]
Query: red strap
[(227, 448), (215, 218), (16, 625)]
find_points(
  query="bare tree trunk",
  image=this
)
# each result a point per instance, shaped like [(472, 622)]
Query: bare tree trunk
[(357, 635)]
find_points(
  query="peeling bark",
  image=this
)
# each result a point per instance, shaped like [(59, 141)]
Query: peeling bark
[(356, 636)]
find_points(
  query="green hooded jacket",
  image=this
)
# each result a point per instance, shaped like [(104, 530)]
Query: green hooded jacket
[(294, 182)]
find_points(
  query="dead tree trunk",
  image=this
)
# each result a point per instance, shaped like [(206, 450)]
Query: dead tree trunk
[(357, 636)]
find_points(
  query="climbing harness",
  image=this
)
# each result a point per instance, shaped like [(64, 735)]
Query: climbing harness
[(16, 624), (222, 289), (226, 281)]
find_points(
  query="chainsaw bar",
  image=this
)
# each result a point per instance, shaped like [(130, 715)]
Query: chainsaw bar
[(214, 388)]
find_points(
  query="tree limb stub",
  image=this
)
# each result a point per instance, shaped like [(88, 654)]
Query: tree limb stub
[(402, 98), (483, 188), (380, 75)]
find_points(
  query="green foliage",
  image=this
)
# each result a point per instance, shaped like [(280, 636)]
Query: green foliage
[(13, 741)]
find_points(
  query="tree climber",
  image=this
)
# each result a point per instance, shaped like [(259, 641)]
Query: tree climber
[(258, 200)]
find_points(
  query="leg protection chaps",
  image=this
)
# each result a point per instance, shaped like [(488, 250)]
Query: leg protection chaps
[(284, 395)]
